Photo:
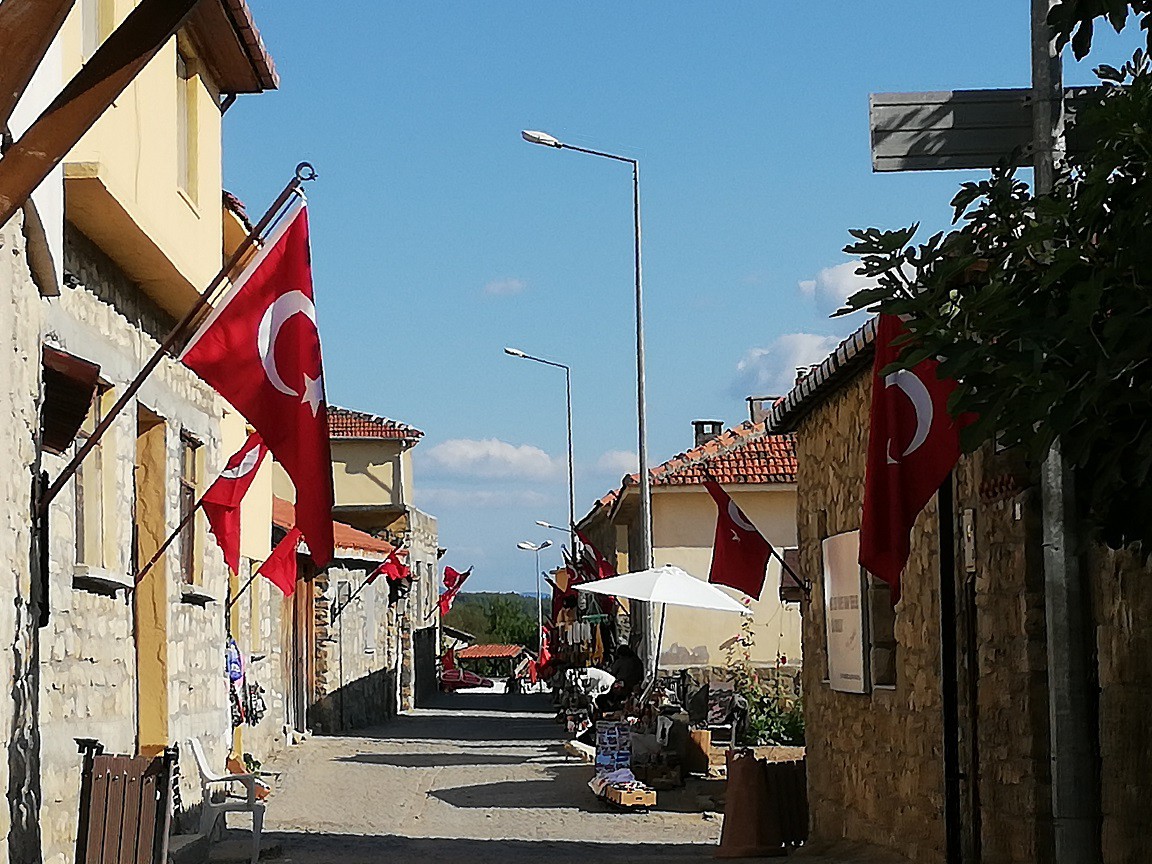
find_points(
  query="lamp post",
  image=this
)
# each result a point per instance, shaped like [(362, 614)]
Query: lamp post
[(544, 524), (516, 352), (645, 562), (532, 547)]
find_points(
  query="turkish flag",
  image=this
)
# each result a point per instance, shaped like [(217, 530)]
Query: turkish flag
[(391, 567), (739, 553), (913, 443), (449, 596), (260, 350), (221, 503), (454, 578), (599, 566), (280, 566)]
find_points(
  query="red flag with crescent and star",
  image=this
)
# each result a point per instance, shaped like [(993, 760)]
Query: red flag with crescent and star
[(740, 552), (457, 580), (280, 567), (913, 444), (260, 350), (221, 503)]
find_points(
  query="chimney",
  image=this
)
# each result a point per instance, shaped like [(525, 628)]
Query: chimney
[(706, 430), (759, 407)]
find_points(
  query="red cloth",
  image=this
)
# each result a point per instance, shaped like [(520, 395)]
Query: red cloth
[(260, 350), (391, 567), (454, 578), (600, 567), (739, 552), (449, 661), (447, 598), (280, 567), (913, 444), (221, 503)]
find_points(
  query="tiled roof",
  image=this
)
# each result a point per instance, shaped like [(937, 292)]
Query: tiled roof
[(489, 652), (346, 537), (346, 423), (851, 355), (235, 205), (744, 454)]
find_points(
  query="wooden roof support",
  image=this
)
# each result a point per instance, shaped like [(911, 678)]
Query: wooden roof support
[(103, 78), (27, 28)]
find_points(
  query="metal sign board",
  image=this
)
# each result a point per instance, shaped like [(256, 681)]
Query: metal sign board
[(844, 612), (956, 129)]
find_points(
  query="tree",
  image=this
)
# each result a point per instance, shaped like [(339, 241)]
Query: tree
[(1041, 307), (1074, 20), (508, 623)]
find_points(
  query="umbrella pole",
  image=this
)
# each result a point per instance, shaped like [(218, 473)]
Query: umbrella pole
[(656, 655)]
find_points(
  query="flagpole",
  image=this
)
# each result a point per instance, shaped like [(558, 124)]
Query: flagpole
[(141, 573), (251, 579), (336, 615), (304, 173)]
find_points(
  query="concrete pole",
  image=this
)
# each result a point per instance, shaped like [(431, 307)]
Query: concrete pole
[(1073, 734)]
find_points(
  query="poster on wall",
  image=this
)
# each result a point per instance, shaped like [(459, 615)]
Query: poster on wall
[(843, 612)]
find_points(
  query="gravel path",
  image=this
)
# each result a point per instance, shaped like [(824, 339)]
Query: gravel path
[(480, 778)]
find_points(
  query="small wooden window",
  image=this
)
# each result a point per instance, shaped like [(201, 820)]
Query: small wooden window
[(189, 495), (89, 490), (186, 130)]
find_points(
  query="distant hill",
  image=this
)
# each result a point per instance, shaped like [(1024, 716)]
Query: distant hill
[(470, 613)]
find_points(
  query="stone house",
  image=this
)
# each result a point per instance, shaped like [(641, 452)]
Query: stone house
[(758, 470), (876, 705), (135, 664)]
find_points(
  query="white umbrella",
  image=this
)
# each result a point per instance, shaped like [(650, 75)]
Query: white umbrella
[(669, 585)]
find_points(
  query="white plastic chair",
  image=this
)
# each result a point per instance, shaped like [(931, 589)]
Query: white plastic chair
[(210, 781)]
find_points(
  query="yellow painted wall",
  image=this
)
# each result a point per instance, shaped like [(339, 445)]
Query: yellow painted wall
[(684, 524), (364, 471), (134, 145)]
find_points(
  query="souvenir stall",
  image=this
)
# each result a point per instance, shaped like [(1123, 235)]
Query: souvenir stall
[(642, 739)]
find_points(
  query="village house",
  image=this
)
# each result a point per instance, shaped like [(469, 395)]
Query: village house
[(883, 709), (758, 471), (103, 646)]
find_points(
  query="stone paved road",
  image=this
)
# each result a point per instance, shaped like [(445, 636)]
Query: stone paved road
[(481, 778)]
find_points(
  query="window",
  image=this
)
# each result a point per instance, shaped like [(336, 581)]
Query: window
[(859, 620), (95, 18), (89, 489), (186, 132), (190, 459)]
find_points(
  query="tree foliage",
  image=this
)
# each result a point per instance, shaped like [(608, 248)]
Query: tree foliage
[(1041, 307), (1074, 20), (494, 618)]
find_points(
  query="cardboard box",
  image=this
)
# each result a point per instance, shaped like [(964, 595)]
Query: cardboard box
[(632, 797)]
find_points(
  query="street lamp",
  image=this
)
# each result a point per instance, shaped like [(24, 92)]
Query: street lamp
[(532, 547), (516, 352), (546, 140), (544, 524)]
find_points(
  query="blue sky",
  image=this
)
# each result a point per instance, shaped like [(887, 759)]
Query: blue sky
[(439, 236)]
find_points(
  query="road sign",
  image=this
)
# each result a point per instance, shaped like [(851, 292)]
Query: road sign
[(957, 128)]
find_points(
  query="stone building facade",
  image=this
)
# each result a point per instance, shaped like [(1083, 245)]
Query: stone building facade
[(876, 759)]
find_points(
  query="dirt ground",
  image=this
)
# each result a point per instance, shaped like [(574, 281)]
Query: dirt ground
[(479, 778)]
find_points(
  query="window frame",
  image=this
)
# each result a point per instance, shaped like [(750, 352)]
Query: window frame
[(187, 129), (190, 481), (89, 490)]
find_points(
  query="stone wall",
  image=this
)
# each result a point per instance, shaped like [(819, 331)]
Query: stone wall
[(875, 770), (19, 395), (359, 656), (1122, 583), (90, 668), (875, 761)]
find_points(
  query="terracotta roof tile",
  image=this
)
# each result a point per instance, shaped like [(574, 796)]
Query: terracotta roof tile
[(743, 454), (346, 423), (346, 537), (489, 652)]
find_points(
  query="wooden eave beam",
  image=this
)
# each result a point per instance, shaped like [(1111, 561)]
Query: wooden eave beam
[(87, 96), (27, 28)]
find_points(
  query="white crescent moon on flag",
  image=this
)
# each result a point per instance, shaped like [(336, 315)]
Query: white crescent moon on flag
[(736, 516), (247, 464), (912, 387), (275, 317)]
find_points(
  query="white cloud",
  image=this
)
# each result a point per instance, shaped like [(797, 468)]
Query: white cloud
[(771, 371), (833, 285), (505, 287), (618, 462), (491, 458)]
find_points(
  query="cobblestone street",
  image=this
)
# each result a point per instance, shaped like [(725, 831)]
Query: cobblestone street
[(442, 784)]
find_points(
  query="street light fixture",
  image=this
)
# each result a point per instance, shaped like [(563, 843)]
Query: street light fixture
[(546, 140), (516, 352), (544, 524), (532, 547)]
